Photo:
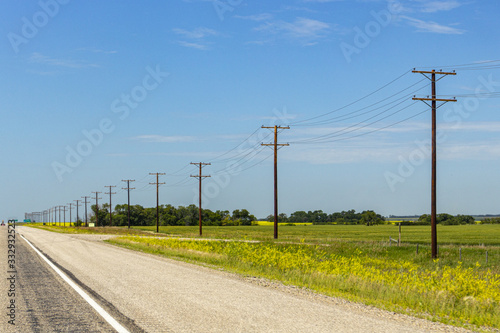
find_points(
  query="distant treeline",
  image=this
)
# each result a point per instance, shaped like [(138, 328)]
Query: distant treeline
[(188, 216), (493, 220), (170, 215), (368, 217)]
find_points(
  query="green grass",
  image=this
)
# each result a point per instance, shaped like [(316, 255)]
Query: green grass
[(456, 235)]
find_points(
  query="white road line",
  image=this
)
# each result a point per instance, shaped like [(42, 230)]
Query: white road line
[(112, 321)]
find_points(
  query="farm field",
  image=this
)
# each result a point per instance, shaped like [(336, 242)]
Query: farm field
[(486, 234), (353, 262)]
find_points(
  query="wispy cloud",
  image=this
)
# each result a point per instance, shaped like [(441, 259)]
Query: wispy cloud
[(471, 151), (303, 29), (96, 50), (257, 17), (322, 1), (165, 139), (490, 126), (197, 33), (38, 58), (195, 38), (192, 45), (433, 27), (439, 6)]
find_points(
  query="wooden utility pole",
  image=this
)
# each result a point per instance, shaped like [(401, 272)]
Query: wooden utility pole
[(77, 205), (110, 206), (64, 215), (128, 188), (60, 213), (70, 204), (433, 106), (200, 178), (275, 145), (86, 218), (97, 208), (157, 198)]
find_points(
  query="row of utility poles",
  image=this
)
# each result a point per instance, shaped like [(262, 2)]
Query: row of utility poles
[(431, 75), (50, 215)]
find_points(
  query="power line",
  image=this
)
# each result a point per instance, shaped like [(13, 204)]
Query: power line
[(354, 127), (357, 113), (354, 102)]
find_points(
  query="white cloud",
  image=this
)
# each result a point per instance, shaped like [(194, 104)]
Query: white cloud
[(197, 33), (166, 139), (323, 1), (196, 37), (429, 26), (438, 6), (470, 151), (96, 50), (39, 58), (490, 126), (257, 17), (301, 28), (197, 46)]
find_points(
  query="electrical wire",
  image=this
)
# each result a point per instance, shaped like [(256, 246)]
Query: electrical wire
[(372, 131), (355, 126), (352, 103)]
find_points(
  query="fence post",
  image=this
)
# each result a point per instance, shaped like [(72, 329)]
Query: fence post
[(399, 239)]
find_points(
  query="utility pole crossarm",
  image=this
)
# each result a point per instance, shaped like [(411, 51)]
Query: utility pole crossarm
[(434, 72), (272, 144), (434, 99), (278, 127)]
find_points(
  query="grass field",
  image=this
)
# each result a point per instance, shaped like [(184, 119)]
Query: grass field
[(487, 234), (353, 262)]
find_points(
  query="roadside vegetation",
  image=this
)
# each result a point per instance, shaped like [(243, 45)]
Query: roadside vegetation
[(393, 278)]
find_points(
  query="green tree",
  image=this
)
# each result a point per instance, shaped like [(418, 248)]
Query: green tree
[(369, 217), (243, 216)]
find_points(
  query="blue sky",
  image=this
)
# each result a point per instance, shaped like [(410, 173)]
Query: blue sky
[(94, 92)]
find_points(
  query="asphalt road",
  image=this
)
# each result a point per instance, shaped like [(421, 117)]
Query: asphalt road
[(152, 294), (43, 301)]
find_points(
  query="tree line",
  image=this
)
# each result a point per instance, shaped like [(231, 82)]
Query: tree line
[(447, 219), (188, 216), (169, 216), (368, 217)]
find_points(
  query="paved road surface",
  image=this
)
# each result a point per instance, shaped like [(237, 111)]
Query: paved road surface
[(151, 294), (43, 302)]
